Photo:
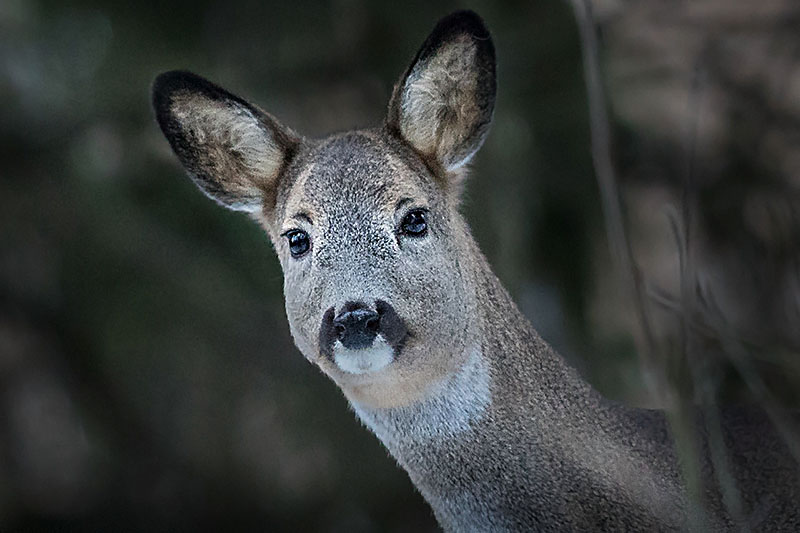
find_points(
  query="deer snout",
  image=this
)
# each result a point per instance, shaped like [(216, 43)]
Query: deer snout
[(362, 338), (356, 328)]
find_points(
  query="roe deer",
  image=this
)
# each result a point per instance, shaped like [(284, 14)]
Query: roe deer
[(387, 292)]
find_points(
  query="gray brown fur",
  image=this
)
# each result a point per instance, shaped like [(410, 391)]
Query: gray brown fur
[(496, 431)]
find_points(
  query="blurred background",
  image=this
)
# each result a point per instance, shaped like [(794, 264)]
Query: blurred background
[(148, 381)]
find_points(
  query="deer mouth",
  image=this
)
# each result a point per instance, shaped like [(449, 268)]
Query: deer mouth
[(364, 360), (362, 339)]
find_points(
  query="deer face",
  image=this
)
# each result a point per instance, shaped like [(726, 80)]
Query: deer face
[(369, 246), (374, 253)]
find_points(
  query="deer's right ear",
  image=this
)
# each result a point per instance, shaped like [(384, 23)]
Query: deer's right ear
[(444, 102), (232, 150)]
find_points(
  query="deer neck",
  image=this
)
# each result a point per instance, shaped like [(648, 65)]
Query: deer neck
[(516, 419)]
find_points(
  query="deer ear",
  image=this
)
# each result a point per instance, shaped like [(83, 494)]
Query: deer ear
[(444, 102), (233, 151)]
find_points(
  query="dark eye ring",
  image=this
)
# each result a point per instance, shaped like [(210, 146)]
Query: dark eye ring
[(414, 223), (299, 242)]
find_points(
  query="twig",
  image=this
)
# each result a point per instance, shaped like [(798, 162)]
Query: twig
[(680, 414), (698, 364), (619, 244)]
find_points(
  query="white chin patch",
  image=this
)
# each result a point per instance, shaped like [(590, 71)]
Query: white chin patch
[(363, 361)]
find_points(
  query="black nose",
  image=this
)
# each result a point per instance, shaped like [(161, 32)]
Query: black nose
[(356, 326)]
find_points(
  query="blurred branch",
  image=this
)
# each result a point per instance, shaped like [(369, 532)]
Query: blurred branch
[(704, 375), (709, 322), (619, 243)]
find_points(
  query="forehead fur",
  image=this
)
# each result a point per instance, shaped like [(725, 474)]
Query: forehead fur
[(358, 170)]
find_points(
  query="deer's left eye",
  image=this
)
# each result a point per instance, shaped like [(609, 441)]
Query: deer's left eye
[(414, 223), (299, 242)]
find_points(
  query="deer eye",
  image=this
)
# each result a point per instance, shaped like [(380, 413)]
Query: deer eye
[(414, 223), (299, 242)]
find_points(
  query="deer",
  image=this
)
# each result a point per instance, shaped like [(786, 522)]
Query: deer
[(389, 295)]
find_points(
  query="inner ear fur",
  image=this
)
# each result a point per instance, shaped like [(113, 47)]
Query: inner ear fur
[(444, 102), (232, 150)]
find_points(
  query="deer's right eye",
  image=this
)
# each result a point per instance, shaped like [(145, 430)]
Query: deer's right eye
[(299, 242), (414, 223)]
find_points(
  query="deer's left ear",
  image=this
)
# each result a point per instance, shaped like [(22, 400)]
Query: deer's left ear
[(444, 102)]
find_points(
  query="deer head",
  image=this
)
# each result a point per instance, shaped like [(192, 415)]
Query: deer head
[(378, 264)]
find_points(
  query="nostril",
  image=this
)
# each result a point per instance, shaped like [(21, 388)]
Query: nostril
[(373, 323), (340, 330)]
